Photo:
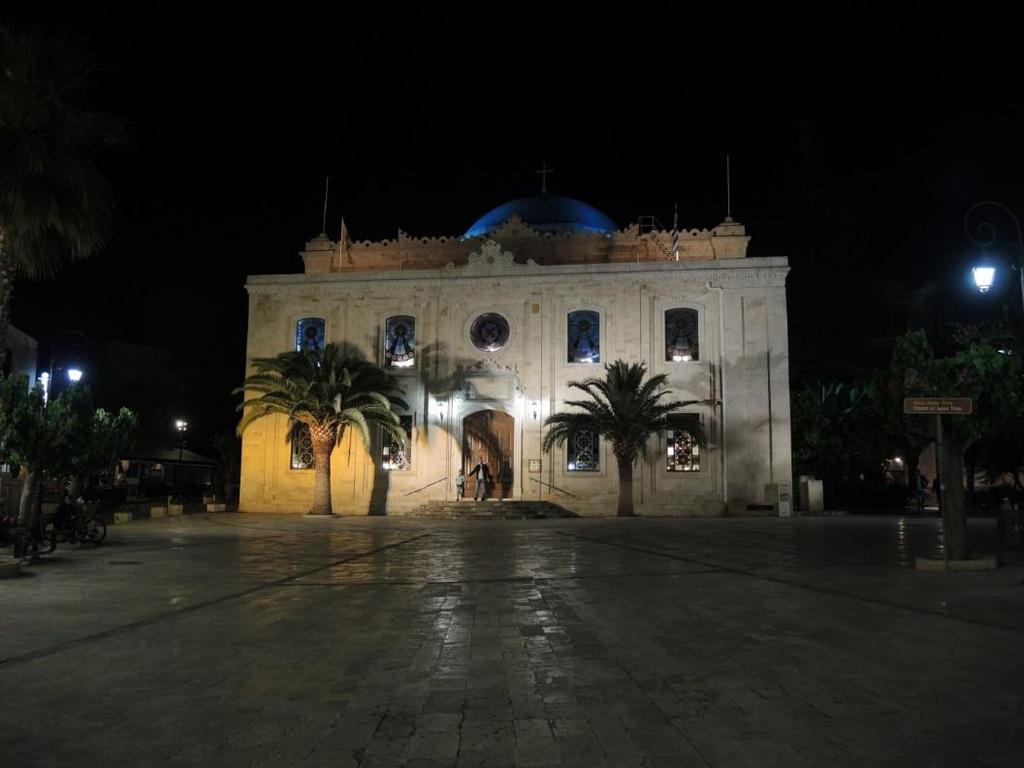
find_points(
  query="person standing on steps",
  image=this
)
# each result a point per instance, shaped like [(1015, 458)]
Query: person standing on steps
[(460, 486), (483, 476)]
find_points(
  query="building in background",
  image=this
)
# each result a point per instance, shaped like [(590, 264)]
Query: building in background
[(485, 332)]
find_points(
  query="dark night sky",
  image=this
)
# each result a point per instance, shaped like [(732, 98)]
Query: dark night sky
[(858, 137)]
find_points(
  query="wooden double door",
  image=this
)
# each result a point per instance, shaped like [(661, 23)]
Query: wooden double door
[(489, 435)]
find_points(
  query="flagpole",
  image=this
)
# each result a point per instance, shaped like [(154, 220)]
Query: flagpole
[(728, 190), (675, 232), (327, 187)]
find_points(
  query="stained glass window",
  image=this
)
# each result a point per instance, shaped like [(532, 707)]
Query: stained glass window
[(400, 341), (310, 334), (584, 337), (583, 452), (681, 341), (682, 450), (302, 448), (394, 455)]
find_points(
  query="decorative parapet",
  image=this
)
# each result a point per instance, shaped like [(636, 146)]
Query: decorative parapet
[(491, 258), (728, 240)]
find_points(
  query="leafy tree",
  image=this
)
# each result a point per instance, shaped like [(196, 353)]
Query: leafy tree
[(99, 438), (904, 435), (327, 393), (993, 380), (624, 410), (835, 437), (63, 439), (54, 203)]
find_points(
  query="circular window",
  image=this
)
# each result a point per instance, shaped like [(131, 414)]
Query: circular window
[(489, 332)]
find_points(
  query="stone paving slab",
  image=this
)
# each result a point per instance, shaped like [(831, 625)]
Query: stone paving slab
[(263, 640)]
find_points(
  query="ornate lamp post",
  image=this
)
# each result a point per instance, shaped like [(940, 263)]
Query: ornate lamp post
[(984, 233), (1010, 523)]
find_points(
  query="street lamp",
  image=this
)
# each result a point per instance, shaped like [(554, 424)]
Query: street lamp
[(983, 277), (984, 233), (181, 425), (74, 373)]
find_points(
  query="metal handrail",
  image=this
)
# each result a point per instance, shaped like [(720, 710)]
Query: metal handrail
[(439, 480), (554, 487)]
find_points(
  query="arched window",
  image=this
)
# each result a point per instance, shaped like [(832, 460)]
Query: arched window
[(310, 334), (302, 447), (400, 341), (682, 448), (681, 338), (583, 452), (395, 455), (584, 337)]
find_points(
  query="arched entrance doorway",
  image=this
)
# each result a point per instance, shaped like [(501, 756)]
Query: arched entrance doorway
[(489, 435)]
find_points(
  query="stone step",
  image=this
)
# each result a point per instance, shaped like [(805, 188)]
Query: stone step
[(491, 510)]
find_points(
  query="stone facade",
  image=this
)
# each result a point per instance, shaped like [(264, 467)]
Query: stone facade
[(534, 280)]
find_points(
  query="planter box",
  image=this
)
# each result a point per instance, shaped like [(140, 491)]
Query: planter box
[(216, 507), (155, 512), (122, 517), (175, 510)]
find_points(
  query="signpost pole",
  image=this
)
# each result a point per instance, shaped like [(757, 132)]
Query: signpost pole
[(942, 483), (959, 406)]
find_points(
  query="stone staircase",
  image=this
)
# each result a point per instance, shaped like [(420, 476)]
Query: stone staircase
[(491, 510)]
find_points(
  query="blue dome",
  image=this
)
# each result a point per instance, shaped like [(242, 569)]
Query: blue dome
[(546, 213)]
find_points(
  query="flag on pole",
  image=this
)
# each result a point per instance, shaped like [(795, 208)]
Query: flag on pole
[(675, 234)]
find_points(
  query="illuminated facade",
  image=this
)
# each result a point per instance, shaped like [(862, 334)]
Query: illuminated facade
[(485, 332)]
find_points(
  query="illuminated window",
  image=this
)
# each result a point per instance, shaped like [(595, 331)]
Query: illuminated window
[(584, 337), (302, 447), (310, 333), (682, 450), (400, 341), (394, 455), (681, 345), (489, 332), (583, 452)]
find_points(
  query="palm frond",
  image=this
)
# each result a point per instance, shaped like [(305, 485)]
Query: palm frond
[(333, 389), (623, 408)]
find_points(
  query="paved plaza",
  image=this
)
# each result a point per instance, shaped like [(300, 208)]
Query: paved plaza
[(236, 640)]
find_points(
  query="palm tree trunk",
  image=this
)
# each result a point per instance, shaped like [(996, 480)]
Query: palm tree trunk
[(625, 508), (323, 445), (6, 294)]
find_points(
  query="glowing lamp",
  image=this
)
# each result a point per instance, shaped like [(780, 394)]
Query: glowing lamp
[(983, 277), (74, 375)]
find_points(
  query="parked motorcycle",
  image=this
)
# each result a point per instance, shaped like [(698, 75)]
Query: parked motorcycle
[(73, 524)]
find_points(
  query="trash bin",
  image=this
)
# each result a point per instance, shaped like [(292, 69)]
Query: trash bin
[(1010, 524)]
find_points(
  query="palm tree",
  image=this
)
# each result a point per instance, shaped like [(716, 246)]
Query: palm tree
[(623, 409), (326, 392), (54, 203)]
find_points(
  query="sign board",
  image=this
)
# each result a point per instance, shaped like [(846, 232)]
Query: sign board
[(534, 465), (962, 406)]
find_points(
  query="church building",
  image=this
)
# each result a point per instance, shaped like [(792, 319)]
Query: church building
[(486, 330)]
